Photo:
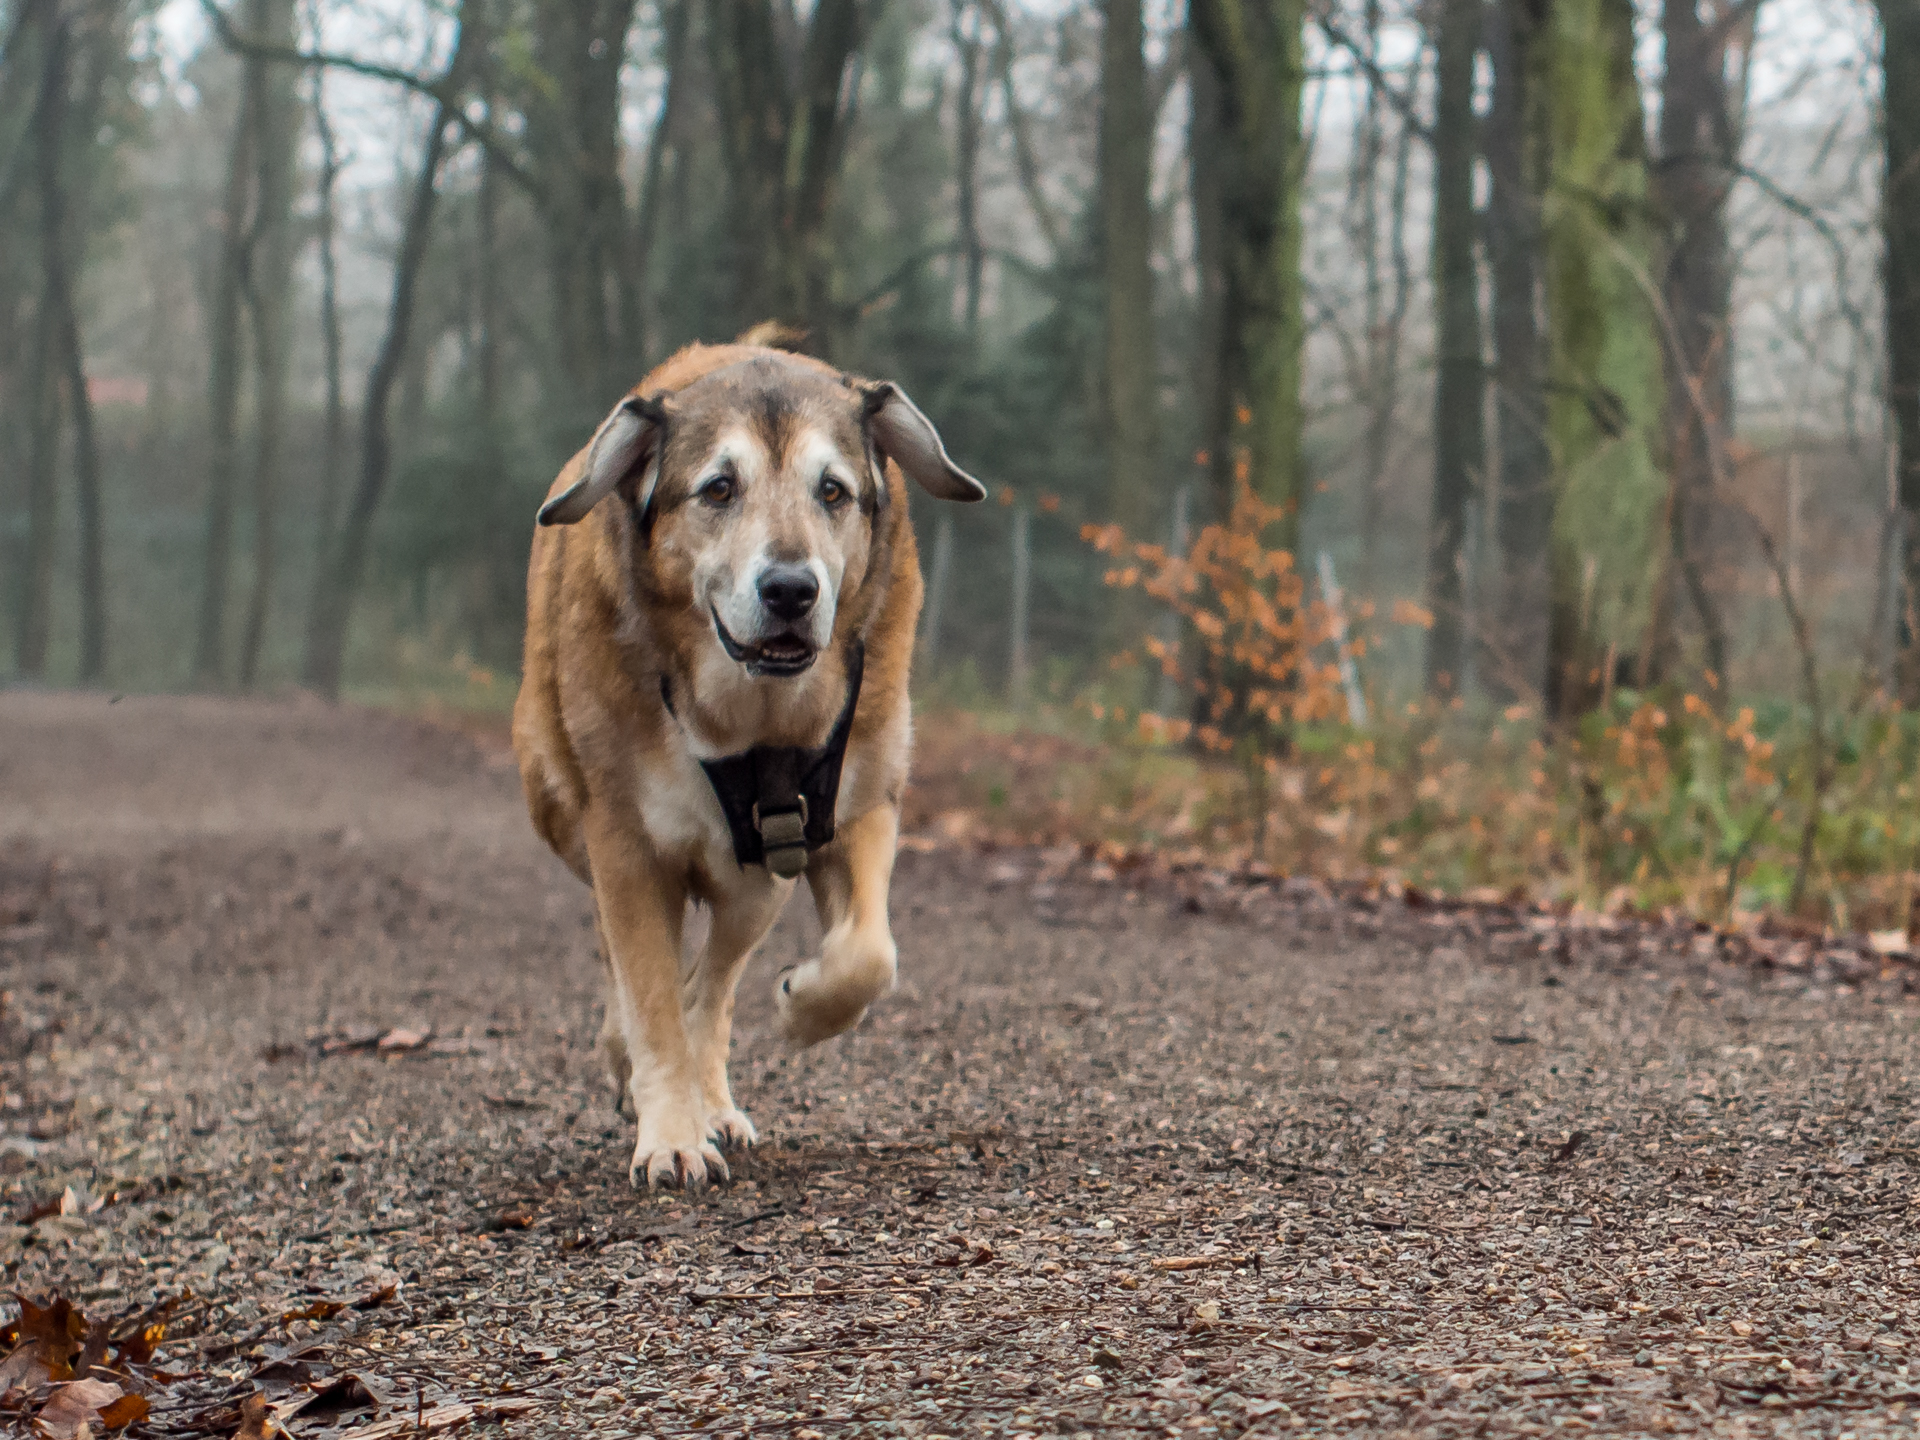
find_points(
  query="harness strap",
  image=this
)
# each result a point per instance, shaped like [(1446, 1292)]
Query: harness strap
[(779, 799)]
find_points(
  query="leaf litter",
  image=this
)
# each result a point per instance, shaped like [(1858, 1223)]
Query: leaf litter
[(1686, 1206)]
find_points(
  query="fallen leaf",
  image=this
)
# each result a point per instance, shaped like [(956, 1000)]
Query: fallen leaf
[(50, 1337), (72, 1410), (125, 1411), (373, 1299), (256, 1419), (318, 1310), (1741, 1327)]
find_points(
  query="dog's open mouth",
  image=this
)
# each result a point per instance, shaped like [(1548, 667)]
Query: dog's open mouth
[(776, 655)]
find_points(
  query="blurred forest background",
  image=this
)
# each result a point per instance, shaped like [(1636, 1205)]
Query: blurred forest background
[(1580, 336)]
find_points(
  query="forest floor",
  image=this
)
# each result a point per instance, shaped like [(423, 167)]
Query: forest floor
[(300, 1028)]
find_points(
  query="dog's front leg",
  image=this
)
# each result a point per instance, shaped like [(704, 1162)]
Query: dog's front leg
[(849, 880), (741, 919), (641, 910)]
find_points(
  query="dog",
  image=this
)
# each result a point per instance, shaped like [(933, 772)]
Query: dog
[(721, 605)]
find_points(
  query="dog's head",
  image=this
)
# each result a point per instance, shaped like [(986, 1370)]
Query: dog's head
[(758, 494)]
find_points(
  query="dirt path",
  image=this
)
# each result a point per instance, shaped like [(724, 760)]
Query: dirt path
[(1109, 1161)]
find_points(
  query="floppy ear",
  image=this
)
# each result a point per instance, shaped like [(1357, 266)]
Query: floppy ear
[(622, 442), (906, 437)]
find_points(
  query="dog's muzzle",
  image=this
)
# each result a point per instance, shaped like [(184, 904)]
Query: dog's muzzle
[(781, 655)]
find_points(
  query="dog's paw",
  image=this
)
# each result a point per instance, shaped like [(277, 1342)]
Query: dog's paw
[(817, 1001), (731, 1130), (675, 1152)]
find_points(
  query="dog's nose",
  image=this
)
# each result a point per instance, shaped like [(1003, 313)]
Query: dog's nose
[(788, 591)]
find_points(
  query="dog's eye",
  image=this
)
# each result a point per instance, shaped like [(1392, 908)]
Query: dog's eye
[(718, 492), (833, 494)]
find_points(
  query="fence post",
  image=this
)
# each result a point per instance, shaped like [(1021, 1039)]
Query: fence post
[(1168, 694), (1349, 673), (937, 589), (1017, 643)]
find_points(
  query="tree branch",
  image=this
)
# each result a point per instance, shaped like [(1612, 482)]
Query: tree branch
[(443, 89), (1401, 102)]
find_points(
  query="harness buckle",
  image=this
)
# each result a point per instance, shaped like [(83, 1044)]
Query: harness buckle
[(783, 838)]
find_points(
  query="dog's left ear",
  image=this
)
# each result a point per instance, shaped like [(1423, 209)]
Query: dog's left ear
[(623, 440), (906, 437)]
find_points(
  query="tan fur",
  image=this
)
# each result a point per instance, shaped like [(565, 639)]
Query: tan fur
[(613, 785)]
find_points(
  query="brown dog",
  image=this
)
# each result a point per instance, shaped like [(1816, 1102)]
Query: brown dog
[(719, 629)]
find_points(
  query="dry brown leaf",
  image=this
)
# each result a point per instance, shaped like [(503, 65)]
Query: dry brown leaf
[(50, 1337), (124, 1412), (318, 1310), (257, 1421), (73, 1410)]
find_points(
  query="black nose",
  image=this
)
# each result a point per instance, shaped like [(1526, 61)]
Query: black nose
[(788, 591)]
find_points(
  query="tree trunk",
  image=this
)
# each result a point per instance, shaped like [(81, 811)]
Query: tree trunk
[(1459, 445), (35, 614), (1514, 665), (1254, 47), (1363, 233), (1126, 215), (1697, 153), (784, 143), (333, 445), (1604, 413), (269, 281), (573, 132), (1900, 217), (1206, 139), (327, 625), (966, 164), (223, 375), (86, 476)]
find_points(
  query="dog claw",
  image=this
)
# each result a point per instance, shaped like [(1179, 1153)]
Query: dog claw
[(691, 1170)]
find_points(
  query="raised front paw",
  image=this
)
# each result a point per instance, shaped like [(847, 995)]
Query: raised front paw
[(675, 1151), (820, 998)]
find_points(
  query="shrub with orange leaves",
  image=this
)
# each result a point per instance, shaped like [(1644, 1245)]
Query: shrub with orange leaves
[(1258, 634)]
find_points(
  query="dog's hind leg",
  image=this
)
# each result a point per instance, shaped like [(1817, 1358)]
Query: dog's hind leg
[(740, 921), (849, 879), (613, 1041)]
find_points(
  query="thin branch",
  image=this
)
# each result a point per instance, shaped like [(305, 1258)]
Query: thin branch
[(443, 89), (1024, 161), (1402, 103)]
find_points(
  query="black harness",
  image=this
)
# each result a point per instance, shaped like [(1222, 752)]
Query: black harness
[(779, 799)]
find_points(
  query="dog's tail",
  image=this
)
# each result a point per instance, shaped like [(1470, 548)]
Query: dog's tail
[(774, 335)]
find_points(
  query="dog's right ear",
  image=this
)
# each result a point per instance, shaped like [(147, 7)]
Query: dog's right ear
[(625, 438)]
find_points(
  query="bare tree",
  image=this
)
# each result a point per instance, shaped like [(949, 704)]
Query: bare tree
[(326, 639), (1698, 159), (1515, 665), (1900, 212), (1459, 442), (269, 279), (227, 358), (1126, 229)]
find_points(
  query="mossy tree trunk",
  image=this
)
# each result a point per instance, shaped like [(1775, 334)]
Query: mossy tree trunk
[(1254, 49), (1605, 397)]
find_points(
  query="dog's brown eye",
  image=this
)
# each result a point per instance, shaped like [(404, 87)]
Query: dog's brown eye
[(718, 491), (833, 493)]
